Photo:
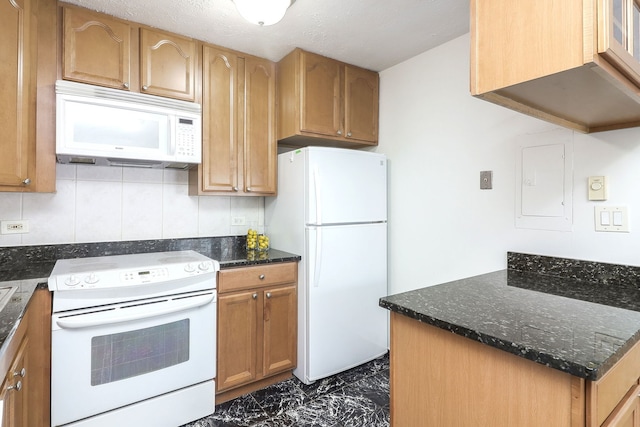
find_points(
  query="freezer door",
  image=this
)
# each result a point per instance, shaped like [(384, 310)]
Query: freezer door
[(346, 275), (345, 186)]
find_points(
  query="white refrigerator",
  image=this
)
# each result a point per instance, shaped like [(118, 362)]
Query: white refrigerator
[(331, 209)]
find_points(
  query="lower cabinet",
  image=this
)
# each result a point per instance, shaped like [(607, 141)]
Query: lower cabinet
[(16, 386), (26, 362), (628, 412), (614, 400), (432, 371), (257, 327)]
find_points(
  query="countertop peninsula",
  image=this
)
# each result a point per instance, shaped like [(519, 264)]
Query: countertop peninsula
[(578, 326), (548, 341)]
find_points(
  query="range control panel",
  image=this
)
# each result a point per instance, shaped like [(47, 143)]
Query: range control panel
[(119, 271)]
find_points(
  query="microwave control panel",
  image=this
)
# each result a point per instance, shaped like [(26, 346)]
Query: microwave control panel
[(187, 138)]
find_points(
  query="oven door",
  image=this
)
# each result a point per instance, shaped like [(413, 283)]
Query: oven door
[(112, 356)]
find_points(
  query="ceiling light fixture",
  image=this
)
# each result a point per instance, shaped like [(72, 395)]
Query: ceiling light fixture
[(263, 12)]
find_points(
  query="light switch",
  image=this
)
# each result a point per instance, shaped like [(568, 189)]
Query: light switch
[(617, 218), (612, 218), (598, 188)]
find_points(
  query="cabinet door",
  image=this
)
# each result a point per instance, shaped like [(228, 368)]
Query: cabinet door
[(619, 35), (320, 95), (280, 333), (17, 90), (628, 412), (237, 334), (97, 49), (15, 411), (167, 65), (361, 104), (260, 162), (220, 104)]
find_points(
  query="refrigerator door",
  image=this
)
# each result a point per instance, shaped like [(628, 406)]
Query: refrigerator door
[(345, 186), (346, 274)]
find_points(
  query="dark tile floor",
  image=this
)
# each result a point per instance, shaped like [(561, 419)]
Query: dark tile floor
[(354, 398)]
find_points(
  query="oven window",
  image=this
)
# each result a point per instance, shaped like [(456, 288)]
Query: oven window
[(115, 357)]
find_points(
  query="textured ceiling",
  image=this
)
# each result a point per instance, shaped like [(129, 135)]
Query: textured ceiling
[(374, 34)]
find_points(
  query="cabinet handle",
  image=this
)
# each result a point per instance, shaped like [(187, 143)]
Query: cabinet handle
[(145, 87), (26, 181), (254, 296), (339, 132), (22, 373), (17, 387), (261, 277), (348, 133), (235, 188), (125, 85), (268, 294), (249, 189)]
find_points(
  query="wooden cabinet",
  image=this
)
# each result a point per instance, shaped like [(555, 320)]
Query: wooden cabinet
[(239, 147), (572, 63), (322, 101), (433, 370), (167, 64), (26, 361), (442, 379), (96, 49), (15, 388), (628, 412), (619, 35), (103, 50), (27, 160), (613, 399), (257, 327)]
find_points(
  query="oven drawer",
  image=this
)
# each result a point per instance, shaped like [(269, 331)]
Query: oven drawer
[(235, 279)]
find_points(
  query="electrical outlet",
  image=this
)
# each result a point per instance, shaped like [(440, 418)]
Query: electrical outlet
[(238, 220), (14, 227)]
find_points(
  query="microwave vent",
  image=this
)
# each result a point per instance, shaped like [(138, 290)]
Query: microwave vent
[(134, 163), (81, 160), (182, 166)]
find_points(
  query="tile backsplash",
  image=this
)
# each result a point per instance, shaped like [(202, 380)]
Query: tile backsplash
[(94, 204)]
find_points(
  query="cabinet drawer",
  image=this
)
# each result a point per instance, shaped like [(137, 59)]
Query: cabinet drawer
[(606, 393), (236, 279)]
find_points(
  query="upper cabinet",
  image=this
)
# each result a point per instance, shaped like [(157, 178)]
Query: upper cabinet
[(96, 49), (27, 63), (322, 101), (102, 50), (239, 148), (260, 145), (574, 62), (167, 65), (619, 35)]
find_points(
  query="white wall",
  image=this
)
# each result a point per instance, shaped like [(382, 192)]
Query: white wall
[(438, 138), (95, 204)]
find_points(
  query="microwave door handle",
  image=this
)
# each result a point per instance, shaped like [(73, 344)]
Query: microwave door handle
[(128, 314), (173, 134)]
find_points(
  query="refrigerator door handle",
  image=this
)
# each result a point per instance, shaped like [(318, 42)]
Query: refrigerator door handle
[(318, 189), (317, 259)]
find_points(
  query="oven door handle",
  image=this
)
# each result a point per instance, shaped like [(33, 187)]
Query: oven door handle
[(131, 313)]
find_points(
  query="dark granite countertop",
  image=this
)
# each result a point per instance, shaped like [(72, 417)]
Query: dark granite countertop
[(28, 267), (582, 327)]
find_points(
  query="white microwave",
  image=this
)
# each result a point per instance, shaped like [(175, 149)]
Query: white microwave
[(110, 127)]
